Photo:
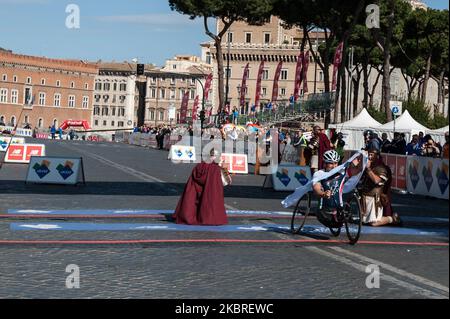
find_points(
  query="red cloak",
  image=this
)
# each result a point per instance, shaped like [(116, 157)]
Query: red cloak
[(202, 202), (324, 145)]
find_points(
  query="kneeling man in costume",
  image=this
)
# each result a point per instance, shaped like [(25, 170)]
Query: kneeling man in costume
[(375, 192), (202, 202)]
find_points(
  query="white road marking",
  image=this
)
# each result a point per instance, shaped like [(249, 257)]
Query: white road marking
[(393, 269), (362, 267)]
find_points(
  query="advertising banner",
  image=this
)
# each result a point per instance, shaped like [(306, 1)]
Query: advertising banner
[(21, 153), (235, 163), (428, 176), (182, 153), (55, 170), (5, 140), (288, 177), (397, 164)]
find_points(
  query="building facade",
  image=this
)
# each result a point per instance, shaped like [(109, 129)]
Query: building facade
[(272, 43), (49, 91)]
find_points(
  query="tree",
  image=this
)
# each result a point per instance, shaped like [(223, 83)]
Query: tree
[(255, 12)]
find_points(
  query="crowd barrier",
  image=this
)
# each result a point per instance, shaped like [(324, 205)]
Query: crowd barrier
[(19, 132)]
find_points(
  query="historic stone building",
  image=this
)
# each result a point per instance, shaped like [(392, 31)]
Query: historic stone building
[(49, 91)]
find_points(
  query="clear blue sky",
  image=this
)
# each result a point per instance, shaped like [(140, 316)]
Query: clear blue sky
[(109, 30)]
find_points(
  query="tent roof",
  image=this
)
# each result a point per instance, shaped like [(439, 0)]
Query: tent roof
[(362, 120), (404, 123), (442, 129)]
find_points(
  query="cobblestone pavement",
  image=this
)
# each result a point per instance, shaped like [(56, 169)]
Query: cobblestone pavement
[(256, 265)]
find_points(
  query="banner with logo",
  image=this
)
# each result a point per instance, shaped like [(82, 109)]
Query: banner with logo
[(5, 140), (21, 153), (275, 82), (289, 176), (244, 85), (18, 132), (195, 108), (336, 63), (397, 164), (258, 84), (298, 75), (235, 163), (184, 105), (55, 170), (182, 153), (305, 72), (428, 176), (208, 86)]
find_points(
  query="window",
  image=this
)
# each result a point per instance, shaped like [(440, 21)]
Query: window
[(98, 86), (112, 123), (58, 83), (4, 77), (26, 119), (163, 94), (120, 124), (193, 81), (153, 80), (284, 74), (264, 91), (172, 81), (153, 95), (248, 37), (192, 94), (105, 110), (96, 122), (40, 123), (3, 95), (122, 111), (115, 87), (42, 81), (174, 67), (71, 100), (86, 86), (321, 76), (267, 38), (265, 75), (41, 98), (161, 115), (13, 121), (123, 87), (14, 96), (28, 96), (173, 94), (96, 111), (15, 78), (122, 99), (72, 84), (113, 111), (152, 115), (106, 86), (57, 100), (228, 72), (104, 123), (283, 92), (208, 58), (230, 37), (85, 103), (28, 80)]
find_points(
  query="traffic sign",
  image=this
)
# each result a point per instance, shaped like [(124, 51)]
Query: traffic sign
[(396, 107)]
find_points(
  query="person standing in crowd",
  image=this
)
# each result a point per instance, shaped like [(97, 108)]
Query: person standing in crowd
[(429, 149), (445, 148), (421, 139), (202, 201), (235, 116), (375, 190), (385, 143), (338, 145), (398, 145), (413, 147), (53, 131), (60, 133), (318, 144), (372, 140), (300, 143)]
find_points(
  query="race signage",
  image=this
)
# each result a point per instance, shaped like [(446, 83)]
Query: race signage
[(6, 140), (182, 153), (428, 176), (235, 163), (288, 177), (21, 153), (396, 107), (18, 132), (55, 170)]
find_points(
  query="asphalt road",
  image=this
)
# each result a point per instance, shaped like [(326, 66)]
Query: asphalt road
[(262, 261)]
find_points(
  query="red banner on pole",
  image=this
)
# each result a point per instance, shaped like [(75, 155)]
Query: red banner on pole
[(184, 106), (244, 85), (305, 72), (337, 62), (298, 75), (207, 86), (258, 84), (275, 82), (195, 108)]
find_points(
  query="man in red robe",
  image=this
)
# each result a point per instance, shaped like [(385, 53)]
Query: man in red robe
[(202, 202)]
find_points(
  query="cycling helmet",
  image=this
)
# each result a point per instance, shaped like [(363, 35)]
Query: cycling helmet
[(331, 156)]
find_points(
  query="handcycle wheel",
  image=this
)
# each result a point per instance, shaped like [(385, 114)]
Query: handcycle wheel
[(353, 219), (300, 213)]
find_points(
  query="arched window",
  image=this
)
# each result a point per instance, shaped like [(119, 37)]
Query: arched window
[(13, 121), (40, 123)]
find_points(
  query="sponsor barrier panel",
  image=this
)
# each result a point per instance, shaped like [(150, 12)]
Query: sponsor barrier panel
[(397, 164), (21, 153), (182, 153), (235, 163), (19, 132), (5, 140), (55, 170), (428, 176), (43, 136), (288, 177)]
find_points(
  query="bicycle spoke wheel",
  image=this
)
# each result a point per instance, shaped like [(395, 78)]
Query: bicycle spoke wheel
[(300, 214), (353, 220)]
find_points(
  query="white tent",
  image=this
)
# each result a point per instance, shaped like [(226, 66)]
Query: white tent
[(404, 124), (353, 130), (439, 134)]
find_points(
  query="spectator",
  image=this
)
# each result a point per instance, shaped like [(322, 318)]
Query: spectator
[(429, 149), (445, 148), (300, 143), (398, 145), (421, 139), (338, 145), (318, 144), (413, 147), (385, 143), (372, 140), (60, 132), (235, 116), (53, 131)]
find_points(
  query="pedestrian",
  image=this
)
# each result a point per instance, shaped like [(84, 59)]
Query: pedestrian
[(60, 132), (53, 131), (385, 143), (202, 201)]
